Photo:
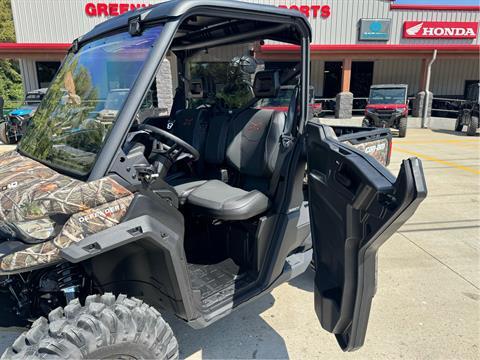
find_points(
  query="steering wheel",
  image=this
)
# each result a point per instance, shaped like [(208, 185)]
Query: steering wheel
[(179, 146)]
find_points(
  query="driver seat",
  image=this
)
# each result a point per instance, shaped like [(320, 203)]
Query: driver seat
[(252, 151)]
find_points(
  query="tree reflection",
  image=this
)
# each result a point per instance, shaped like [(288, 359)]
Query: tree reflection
[(65, 116)]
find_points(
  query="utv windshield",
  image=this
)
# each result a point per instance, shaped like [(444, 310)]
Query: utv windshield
[(68, 129), (388, 96)]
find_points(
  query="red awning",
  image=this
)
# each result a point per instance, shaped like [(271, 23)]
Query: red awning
[(19, 50), (465, 48), (427, 7)]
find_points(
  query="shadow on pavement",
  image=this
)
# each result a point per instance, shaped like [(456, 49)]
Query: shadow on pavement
[(244, 334), (305, 281), (456, 133)]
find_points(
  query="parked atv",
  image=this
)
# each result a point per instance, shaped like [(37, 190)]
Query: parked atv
[(468, 113), (103, 226), (13, 125), (387, 107)]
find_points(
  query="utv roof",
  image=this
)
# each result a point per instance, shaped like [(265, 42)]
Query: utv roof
[(388, 86), (175, 8)]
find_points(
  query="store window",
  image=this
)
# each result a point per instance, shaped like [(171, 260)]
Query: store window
[(362, 77), (46, 71)]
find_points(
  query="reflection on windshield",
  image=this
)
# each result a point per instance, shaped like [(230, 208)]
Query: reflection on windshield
[(71, 123), (283, 99), (387, 96), (116, 99)]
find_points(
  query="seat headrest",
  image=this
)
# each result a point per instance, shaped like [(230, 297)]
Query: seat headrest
[(266, 84)]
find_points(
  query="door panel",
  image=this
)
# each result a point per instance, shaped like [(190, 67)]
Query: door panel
[(355, 206)]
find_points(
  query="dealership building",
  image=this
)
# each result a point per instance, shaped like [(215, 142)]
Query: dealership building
[(356, 43)]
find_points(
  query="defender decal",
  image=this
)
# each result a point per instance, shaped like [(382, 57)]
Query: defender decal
[(109, 212)]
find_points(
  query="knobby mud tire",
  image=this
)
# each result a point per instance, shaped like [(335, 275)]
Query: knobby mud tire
[(105, 327)]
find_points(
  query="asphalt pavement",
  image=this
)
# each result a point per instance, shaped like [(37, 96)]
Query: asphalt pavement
[(428, 300)]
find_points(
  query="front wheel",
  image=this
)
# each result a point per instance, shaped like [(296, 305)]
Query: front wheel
[(472, 126), (402, 127), (3, 133), (105, 328)]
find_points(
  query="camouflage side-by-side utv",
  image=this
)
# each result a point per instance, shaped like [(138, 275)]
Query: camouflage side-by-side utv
[(105, 225)]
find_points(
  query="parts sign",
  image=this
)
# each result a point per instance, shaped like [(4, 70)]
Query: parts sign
[(440, 30)]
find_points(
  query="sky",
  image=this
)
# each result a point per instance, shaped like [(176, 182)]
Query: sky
[(440, 2)]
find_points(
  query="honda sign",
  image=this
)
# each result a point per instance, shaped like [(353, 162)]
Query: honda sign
[(440, 30)]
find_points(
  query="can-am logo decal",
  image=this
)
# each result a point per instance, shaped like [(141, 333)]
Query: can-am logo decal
[(440, 30), (373, 148), (106, 213)]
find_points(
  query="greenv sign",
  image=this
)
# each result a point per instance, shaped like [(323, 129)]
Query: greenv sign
[(374, 29)]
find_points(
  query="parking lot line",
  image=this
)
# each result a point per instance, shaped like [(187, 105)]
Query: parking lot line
[(439, 161), (441, 141), (464, 142)]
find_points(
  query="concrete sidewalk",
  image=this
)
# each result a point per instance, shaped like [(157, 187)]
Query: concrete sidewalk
[(437, 123)]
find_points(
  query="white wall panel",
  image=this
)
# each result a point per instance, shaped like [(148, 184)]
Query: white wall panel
[(317, 75), (61, 21), (29, 74), (402, 71), (56, 21), (449, 76)]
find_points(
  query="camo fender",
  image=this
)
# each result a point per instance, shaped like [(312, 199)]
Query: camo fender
[(31, 191), (78, 227), (50, 211), (16, 169)]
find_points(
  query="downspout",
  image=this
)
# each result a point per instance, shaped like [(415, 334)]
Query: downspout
[(427, 89)]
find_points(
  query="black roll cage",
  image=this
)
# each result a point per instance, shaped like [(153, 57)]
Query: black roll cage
[(118, 133), (289, 196)]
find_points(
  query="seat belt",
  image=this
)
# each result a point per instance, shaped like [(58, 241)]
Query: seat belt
[(178, 104), (287, 137), (286, 141)]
